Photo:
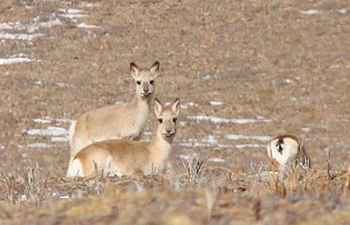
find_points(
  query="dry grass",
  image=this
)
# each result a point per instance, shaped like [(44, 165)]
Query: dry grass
[(261, 58)]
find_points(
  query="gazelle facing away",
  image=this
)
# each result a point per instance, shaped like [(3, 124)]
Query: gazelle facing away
[(126, 157), (125, 120), (287, 149)]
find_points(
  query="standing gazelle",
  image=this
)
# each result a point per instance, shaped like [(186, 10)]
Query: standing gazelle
[(287, 149), (125, 120), (126, 157)]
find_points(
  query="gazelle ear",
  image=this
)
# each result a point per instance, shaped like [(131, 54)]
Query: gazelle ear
[(158, 107), (175, 106), (154, 69), (135, 71)]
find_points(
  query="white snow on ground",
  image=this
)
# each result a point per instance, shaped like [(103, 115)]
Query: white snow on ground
[(22, 37), (218, 146), (336, 66), (342, 11), (31, 27), (61, 84), (88, 26), (191, 155), (72, 13), (50, 131), (38, 145), (243, 137), (39, 120), (55, 133), (47, 119), (64, 120), (60, 139), (14, 60), (249, 146), (217, 160), (64, 197), (38, 82), (12, 26), (306, 129), (311, 12), (214, 103), (90, 5), (214, 119), (213, 142), (48, 24), (315, 11), (188, 104), (73, 16)]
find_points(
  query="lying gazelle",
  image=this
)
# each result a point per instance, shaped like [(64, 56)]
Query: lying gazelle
[(127, 157), (125, 120), (286, 149)]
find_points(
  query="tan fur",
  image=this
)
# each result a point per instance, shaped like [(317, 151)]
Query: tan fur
[(125, 120), (127, 157)]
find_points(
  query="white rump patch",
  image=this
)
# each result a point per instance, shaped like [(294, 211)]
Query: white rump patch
[(75, 169)]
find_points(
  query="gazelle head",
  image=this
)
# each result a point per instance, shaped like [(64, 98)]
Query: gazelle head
[(144, 79), (167, 117)]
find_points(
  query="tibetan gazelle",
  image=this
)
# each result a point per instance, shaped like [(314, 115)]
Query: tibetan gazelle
[(286, 149), (125, 120), (127, 157)]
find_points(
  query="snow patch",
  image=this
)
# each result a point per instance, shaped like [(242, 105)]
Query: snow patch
[(342, 11), (336, 66), (64, 197), (311, 12), (306, 129), (38, 145), (244, 137), (218, 146), (50, 131), (72, 13), (61, 84), (249, 146), (64, 120), (88, 26), (213, 103), (287, 81), (188, 104), (191, 155), (217, 160), (39, 120), (225, 120), (90, 5), (22, 37), (31, 27), (48, 24), (14, 60), (60, 139)]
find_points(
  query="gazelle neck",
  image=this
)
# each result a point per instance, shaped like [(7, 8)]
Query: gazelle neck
[(141, 102), (159, 149)]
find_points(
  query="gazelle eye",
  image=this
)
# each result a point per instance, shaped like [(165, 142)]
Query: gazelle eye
[(138, 82), (174, 120), (160, 120), (151, 82)]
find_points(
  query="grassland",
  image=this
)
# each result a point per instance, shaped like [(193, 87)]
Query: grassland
[(283, 63)]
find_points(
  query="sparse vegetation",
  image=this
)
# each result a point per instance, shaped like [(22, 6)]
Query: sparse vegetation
[(285, 63)]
